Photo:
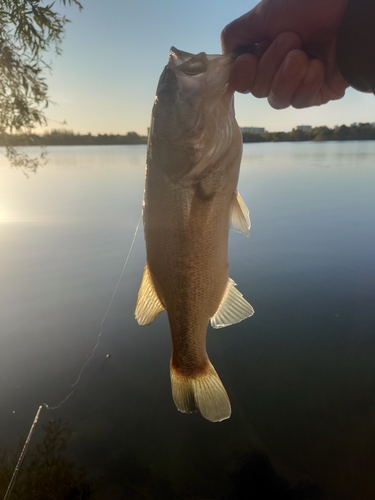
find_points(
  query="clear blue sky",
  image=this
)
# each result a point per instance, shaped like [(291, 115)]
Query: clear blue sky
[(115, 50)]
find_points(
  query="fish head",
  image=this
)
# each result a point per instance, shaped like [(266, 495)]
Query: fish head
[(193, 105)]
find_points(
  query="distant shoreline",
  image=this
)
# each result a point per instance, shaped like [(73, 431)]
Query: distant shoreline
[(358, 132), (69, 138)]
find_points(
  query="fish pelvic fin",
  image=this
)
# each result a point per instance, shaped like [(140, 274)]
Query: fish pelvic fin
[(148, 303), (203, 392), (233, 308), (239, 215)]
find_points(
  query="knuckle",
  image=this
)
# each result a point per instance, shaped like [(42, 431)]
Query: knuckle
[(287, 41)]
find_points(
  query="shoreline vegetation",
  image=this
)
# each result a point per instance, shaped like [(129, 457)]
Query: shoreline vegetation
[(357, 132)]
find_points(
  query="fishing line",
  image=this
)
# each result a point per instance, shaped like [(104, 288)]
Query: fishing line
[(74, 385)]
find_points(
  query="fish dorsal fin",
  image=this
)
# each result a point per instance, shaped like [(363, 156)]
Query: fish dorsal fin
[(148, 303), (239, 215), (233, 308)]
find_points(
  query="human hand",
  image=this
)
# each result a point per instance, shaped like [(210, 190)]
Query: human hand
[(294, 61)]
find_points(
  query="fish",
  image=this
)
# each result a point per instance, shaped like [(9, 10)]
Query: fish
[(190, 201)]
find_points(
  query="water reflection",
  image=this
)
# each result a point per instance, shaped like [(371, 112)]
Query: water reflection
[(45, 473), (300, 373)]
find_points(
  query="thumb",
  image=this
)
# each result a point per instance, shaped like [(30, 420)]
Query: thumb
[(243, 31)]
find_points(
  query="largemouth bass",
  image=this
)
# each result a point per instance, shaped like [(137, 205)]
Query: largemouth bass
[(190, 201)]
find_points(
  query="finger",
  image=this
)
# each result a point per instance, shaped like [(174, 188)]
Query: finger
[(334, 84), (333, 88), (271, 61), (243, 73), (308, 92), (288, 79)]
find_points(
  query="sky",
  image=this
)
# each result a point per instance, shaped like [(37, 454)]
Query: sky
[(115, 50)]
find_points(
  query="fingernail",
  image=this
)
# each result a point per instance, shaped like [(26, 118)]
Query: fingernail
[(290, 68), (275, 102)]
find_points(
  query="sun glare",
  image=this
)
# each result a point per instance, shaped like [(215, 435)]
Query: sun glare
[(7, 216)]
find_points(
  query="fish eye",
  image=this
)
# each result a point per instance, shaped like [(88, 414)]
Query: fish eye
[(195, 68)]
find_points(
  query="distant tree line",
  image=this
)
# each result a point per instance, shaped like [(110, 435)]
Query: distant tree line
[(69, 138), (359, 132)]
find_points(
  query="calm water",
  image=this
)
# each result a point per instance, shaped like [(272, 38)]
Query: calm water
[(300, 373)]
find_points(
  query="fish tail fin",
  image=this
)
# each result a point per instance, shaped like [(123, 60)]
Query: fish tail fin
[(203, 392)]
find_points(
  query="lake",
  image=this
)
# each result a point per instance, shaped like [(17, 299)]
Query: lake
[(300, 373)]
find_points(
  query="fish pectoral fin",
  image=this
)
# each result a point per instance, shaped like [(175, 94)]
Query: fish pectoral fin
[(148, 303), (233, 308), (239, 215)]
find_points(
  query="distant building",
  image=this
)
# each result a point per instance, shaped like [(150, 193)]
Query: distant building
[(253, 130), (304, 127)]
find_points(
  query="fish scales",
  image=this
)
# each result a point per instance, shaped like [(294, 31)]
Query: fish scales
[(193, 160)]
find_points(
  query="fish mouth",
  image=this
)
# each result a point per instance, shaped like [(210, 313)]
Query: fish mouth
[(192, 98), (196, 73), (167, 86), (177, 57), (194, 64), (189, 64)]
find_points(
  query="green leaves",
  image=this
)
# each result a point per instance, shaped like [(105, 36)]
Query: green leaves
[(28, 29)]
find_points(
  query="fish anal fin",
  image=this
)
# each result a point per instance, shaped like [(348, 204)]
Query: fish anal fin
[(148, 303), (239, 215), (233, 308), (203, 392)]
